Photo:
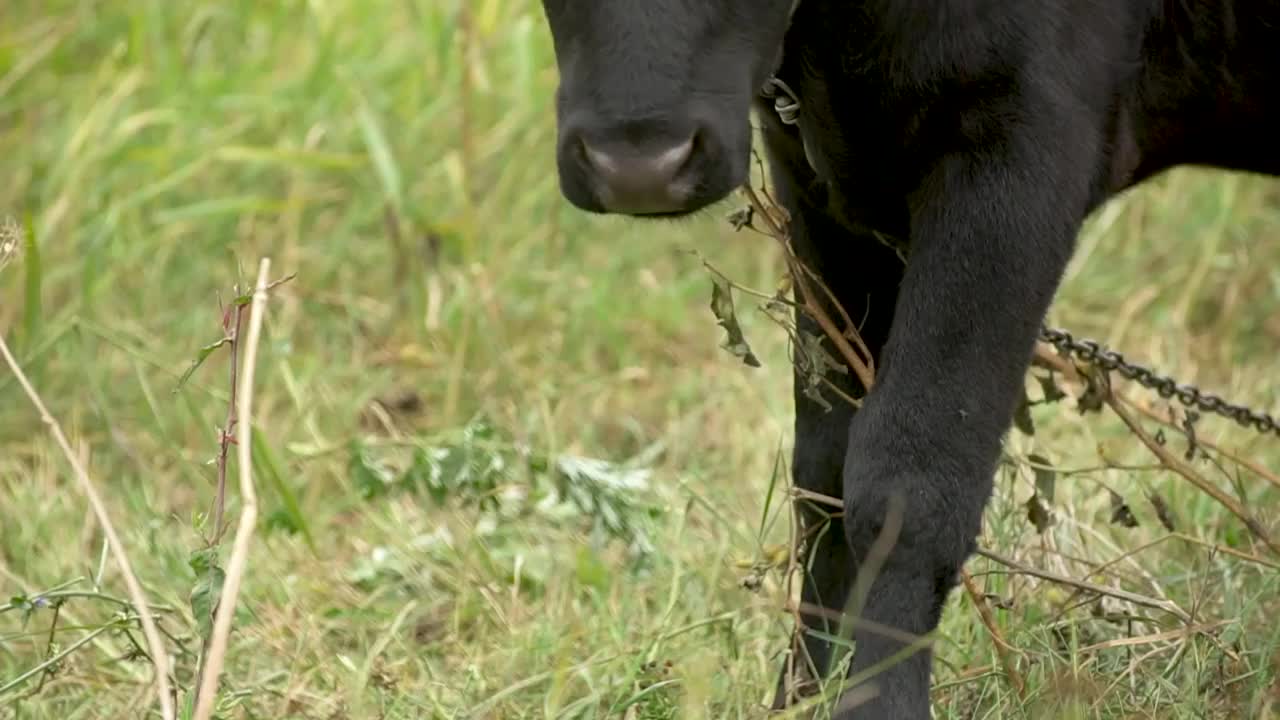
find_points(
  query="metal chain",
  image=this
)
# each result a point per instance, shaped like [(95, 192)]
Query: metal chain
[(1093, 352)]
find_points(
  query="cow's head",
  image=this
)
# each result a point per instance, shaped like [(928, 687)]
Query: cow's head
[(655, 98)]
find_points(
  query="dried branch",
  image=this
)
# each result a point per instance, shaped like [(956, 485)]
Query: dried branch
[(1048, 358), (810, 304), (818, 498), (1176, 464), (1234, 457)]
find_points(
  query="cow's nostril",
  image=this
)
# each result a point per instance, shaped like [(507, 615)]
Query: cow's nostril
[(656, 168), (631, 181)]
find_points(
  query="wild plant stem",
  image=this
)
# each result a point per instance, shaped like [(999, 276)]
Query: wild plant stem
[(248, 512), (225, 435)]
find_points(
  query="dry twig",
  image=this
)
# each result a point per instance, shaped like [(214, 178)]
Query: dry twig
[(811, 305), (248, 511), (1235, 457), (1154, 603)]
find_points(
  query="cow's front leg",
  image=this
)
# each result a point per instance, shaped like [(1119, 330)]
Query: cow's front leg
[(991, 232)]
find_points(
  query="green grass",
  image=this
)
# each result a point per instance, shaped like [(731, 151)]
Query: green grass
[(159, 149)]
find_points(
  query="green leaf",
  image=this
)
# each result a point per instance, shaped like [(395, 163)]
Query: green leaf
[(280, 519), (590, 571), (612, 495), (773, 484), (246, 298), (207, 589), (369, 478), (201, 560), (291, 515), (425, 474), (383, 159), (380, 567), (201, 356)]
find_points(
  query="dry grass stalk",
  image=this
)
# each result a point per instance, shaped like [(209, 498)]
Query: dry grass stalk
[(249, 509), (1003, 648), (1223, 549), (1182, 633), (9, 246), (1132, 597)]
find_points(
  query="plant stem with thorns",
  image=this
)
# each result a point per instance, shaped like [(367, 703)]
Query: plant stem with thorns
[(232, 318), (208, 680)]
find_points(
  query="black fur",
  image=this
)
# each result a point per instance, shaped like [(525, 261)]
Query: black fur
[(984, 131)]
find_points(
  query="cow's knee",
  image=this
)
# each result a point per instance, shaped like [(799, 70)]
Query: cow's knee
[(911, 521), (911, 510), (896, 516)]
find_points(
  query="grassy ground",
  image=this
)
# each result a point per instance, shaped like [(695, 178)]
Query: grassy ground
[(507, 471)]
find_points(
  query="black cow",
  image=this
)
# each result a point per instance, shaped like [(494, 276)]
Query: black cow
[(980, 132)]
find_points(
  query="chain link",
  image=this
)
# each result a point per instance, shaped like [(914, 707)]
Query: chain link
[(1091, 351)]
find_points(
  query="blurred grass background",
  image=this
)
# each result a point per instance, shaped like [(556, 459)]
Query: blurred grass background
[(600, 465)]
